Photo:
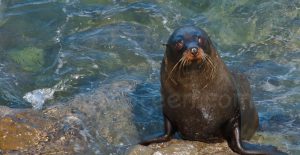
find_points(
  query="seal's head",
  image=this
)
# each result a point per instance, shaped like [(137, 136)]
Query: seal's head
[(189, 47)]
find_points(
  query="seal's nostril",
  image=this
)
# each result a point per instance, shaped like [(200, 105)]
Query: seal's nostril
[(194, 50)]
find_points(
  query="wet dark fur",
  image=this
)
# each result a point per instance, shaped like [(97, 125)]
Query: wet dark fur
[(202, 99)]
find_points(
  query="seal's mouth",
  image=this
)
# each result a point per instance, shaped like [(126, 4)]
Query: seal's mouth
[(193, 57), (193, 60)]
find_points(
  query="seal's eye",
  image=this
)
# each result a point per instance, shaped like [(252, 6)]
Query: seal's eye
[(201, 41), (179, 45)]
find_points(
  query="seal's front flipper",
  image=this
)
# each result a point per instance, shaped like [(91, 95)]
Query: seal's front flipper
[(169, 132), (235, 143)]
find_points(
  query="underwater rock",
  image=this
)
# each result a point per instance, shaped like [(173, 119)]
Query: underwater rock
[(108, 114), (274, 138), (174, 147), (30, 59), (2, 10)]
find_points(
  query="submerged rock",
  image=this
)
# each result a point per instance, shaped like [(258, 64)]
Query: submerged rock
[(30, 59), (181, 147)]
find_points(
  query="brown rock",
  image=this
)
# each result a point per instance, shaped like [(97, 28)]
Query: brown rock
[(34, 132), (182, 147), (16, 135)]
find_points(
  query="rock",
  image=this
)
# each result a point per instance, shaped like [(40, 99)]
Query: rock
[(276, 139), (17, 135), (108, 114), (6, 111), (33, 132), (139, 149), (97, 122), (30, 59), (181, 147)]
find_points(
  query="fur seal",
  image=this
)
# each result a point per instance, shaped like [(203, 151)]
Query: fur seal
[(202, 99)]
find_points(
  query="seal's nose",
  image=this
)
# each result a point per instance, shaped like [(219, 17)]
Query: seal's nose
[(194, 51)]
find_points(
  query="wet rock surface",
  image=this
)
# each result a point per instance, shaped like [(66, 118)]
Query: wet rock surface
[(181, 147), (89, 123), (34, 132), (18, 135)]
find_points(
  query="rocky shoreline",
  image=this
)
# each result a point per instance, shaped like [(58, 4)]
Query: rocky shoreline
[(46, 132)]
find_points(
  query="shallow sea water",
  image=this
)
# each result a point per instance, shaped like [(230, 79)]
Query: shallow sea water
[(106, 54)]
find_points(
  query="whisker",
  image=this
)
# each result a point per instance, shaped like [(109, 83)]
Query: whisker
[(181, 68), (202, 65), (184, 66), (175, 66), (212, 66)]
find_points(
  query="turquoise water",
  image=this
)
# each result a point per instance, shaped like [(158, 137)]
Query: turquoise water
[(53, 50)]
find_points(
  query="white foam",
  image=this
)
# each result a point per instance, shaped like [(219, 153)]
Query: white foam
[(38, 97), (267, 86)]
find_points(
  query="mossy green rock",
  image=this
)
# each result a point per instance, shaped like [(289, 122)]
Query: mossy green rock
[(30, 59)]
